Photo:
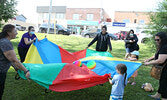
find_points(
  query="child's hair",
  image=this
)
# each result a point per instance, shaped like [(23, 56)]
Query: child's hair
[(137, 57), (123, 70)]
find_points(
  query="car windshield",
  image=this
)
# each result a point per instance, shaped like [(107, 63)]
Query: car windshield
[(46, 25), (60, 26)]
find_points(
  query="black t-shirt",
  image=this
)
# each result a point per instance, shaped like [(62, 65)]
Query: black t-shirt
[(162, 50)]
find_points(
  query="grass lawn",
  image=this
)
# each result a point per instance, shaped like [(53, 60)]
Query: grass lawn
[(24, 90)]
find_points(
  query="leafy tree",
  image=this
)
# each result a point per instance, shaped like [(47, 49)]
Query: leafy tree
[(7, 10), (158, 20)]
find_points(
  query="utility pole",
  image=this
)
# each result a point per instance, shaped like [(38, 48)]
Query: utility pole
[(50, 11)]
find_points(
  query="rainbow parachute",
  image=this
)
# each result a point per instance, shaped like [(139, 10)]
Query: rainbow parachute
[(52, 67)]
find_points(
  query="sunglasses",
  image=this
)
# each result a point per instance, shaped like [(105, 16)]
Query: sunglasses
[(157, 39)]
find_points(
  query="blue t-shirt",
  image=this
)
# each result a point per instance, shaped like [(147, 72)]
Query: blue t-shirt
[(26, 35), (118, 85)]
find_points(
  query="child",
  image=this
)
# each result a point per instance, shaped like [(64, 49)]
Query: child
[(118, 82), (134, 57)]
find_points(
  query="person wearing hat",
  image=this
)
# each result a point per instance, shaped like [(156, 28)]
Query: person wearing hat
[(103, 41), (134, 57)]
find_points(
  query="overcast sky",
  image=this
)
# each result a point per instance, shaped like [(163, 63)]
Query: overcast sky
[(28, 7)]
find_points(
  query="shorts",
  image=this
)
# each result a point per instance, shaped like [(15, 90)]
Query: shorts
[(113, 97), (128, 50)]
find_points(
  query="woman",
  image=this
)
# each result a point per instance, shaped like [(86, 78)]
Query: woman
[(26, 40), (130, 43), (160, 58), (7, 55)]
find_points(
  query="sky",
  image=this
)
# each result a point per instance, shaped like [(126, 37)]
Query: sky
[(28, 7)]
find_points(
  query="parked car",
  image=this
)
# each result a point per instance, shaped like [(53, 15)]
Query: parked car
[(91, 33), (143, 35), (121, 35), (20, 28), (113, 37), (59, 29)]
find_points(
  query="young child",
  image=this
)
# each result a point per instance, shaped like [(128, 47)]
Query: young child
[(118, 82), (134, 57)]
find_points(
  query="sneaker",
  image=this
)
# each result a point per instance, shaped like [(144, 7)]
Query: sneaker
[(133, 83), (129, 82)]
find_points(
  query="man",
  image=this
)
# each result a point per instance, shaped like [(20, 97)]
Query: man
[(103, 40)]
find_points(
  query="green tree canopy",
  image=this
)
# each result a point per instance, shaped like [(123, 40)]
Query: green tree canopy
[(158, 20), (7, 10)]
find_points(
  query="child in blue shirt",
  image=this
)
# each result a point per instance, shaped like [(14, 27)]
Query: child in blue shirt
[(118, 82)]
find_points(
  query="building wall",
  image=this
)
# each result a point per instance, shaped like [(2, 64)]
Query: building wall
[(131, 16), (83, 13), (43, 17)]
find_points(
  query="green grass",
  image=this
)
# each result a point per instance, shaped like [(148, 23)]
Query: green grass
[(24, 90)]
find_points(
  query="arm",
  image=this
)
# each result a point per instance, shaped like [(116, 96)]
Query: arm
[(110, 81), (109, 43), (93, 41), (149, 59), (135, 38), (29, 42), (161, 59), (11, 56), (126, 40), (132, 59)]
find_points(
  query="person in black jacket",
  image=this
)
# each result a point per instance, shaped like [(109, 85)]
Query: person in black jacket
[(130, 43), (103, 40)]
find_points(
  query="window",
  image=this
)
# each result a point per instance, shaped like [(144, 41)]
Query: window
[(89, 16), (59, 15), (52, 16), (40, 16), (76, 16), (135, 20), (142, 21), (126, 21), (46, 15)]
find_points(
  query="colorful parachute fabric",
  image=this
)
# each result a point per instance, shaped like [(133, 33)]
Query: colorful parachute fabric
[(52, 67), (44, 52), (63, 77), (107, 65)]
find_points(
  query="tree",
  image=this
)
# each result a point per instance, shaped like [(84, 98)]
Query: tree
[(158, 20), (7, 10)]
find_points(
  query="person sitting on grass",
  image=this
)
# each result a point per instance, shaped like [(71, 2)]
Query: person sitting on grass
[(118, 82), (134, 57)]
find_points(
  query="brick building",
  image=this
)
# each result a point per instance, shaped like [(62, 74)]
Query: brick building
[(79, 19), (76, 19), (132, 17)]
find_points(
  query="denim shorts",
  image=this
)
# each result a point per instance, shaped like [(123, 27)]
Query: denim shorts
[(128, 50)]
